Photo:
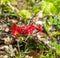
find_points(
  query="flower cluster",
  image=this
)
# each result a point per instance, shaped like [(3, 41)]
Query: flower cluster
[(24, 29)]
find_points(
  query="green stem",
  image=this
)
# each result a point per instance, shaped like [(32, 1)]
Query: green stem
[(18, 49)]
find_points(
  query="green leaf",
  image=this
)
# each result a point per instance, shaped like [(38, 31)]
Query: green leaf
[(55, 20), (31, 2), (57, 4), (48, 7), (38, 45), (17, 56), (35, 8), (49, 0), (6, 1), (55, 34), (25, 14), (57, 47), (50, 20), (58, 26)]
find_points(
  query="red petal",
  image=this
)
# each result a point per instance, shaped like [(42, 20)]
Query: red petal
[(40, 27)]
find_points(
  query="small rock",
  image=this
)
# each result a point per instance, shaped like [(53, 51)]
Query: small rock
[(6, 56), (27, 56)]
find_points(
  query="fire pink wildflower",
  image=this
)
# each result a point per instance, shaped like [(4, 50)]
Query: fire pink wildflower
[(24, 29), (29, 29), (40, 28), (15, 29)]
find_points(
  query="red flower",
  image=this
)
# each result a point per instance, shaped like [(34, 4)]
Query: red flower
[(32, 26), (19, 29), (29, 29), (40, 28), (15, 29)]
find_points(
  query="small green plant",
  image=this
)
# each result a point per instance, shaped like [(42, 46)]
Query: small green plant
[(25, 14), (49, 54), (50, 6), (57, 47)]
